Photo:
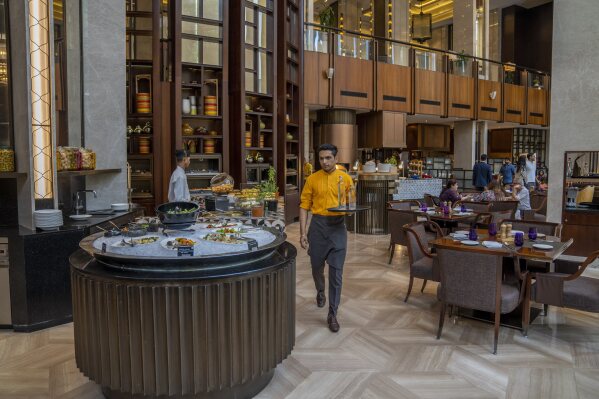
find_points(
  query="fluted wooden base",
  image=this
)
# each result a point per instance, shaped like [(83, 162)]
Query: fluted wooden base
[(186, 338)]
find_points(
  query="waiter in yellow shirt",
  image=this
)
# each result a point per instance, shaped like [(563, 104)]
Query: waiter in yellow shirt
[(326, 240)]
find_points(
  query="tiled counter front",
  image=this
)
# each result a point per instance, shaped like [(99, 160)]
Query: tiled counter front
[(416, 188)]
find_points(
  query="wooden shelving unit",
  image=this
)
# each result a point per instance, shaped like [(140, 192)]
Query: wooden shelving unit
[(201, 70), (290, 95)]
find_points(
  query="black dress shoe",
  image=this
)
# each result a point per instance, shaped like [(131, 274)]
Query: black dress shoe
[(333, 324), (321, 299)]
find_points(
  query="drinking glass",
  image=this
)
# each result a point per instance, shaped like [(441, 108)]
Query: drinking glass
[(519, 239), (446, 209), (492, 229), (423, 208), (472, 235), (463, 208), (532, 233)]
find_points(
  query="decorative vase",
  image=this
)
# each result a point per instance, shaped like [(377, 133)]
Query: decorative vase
[(194, 110), (289, 136), (262, 125), (186, 106), (259, 158), (187, 130)]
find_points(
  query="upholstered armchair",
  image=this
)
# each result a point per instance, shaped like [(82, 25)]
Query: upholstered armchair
[(423, 263)]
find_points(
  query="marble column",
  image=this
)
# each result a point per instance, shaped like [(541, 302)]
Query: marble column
[(464, 143), (574, 90), (103, 36)]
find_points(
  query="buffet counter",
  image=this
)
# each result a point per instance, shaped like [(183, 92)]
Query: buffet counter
[(414, 189), (212, 322), (39, 277)]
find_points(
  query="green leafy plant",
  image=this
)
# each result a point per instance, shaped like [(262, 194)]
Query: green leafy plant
[(269, 188), (327, 17), (392, 160)]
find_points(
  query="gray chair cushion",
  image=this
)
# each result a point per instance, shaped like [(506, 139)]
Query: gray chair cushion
[(510, 296), (423, 268), (582, 293)]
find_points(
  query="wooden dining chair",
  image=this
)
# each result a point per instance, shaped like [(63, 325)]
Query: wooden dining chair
[(547, 228), (502, 210), (539, 208), (473, 280), (432, 200), (423, 263), (397, 218), (403, 204), (568, 290)]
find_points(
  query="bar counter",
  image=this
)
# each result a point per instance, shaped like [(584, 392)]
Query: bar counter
[(212, 327)]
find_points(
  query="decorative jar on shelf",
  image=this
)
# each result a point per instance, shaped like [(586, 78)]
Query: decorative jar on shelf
[(248, 139), (289, 136), (261, 140), (7, 159), (187, 130), (210, 107), (259, 158), (262, 125), (209, 146), (249, 158), (186, 106)]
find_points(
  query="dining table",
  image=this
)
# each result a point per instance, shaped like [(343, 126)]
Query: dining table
[(553, 247), (448, 221), (528, 251)]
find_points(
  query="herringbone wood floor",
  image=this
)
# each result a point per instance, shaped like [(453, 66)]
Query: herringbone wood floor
[(385, 349)]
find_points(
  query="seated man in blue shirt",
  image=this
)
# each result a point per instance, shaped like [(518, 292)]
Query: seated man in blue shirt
[(507, 172), (481, 173)]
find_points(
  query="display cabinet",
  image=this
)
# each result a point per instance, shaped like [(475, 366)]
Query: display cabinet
[(147, 92), (200, 87), (291, 110)]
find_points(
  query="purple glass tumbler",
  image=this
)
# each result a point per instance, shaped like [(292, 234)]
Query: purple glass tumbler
[(492, 229), (532, 233), (463, 208), (423, 208), (519, 239), (472, 235)]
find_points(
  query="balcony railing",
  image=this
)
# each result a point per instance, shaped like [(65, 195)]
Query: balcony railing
[(374, 73)]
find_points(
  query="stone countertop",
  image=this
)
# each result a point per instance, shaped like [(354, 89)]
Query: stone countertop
[(69, 224)]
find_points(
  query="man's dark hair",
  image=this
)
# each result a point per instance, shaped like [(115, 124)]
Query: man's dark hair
[(450, 183), (180, 154), (508, 159), (327, 147), (483, 157), (529, 155)]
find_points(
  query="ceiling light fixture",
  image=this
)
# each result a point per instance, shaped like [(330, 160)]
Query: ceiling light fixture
[(422, 26)]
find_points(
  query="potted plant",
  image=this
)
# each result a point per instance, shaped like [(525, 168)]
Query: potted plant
[(269, 191), (460, 62), (393, 162)]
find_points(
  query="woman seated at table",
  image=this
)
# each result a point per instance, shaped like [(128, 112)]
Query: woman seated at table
[(493, 192), (450, 193), (522, 195)]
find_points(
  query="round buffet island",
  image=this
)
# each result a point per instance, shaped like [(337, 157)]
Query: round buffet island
[(209, 320)]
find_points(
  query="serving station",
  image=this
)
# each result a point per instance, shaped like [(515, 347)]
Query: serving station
[(206, 311)]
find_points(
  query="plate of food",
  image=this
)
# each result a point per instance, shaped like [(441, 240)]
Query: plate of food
[(222, 238), (219, 225), (174, 243), (131, 242)]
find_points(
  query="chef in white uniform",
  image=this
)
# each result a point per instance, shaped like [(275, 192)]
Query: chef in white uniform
[(177, 188)]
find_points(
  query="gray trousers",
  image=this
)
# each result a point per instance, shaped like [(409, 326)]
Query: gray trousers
[(327, 237)]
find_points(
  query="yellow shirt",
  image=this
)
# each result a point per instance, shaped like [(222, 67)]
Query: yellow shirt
[(320, 192)]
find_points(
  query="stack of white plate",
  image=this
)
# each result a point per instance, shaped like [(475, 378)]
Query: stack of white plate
[(47, 219)]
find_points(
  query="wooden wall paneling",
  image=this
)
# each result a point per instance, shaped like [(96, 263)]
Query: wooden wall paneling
[(394, 87), (353, 83), (489, 108), (500, 143), (398, 139), (429, 92), (381, 129), (316, 86), (460, 97), (537, 103), (514, 103)]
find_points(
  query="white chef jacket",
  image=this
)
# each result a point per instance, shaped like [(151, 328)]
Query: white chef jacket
[(177, 188)]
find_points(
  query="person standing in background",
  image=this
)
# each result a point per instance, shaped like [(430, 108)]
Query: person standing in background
[(507, 172), (326, 241), (531, 171), (178, 191), (481, 173), (521, 169)]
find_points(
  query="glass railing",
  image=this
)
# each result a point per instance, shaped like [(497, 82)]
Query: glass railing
[(354, 46), (367, 47)]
